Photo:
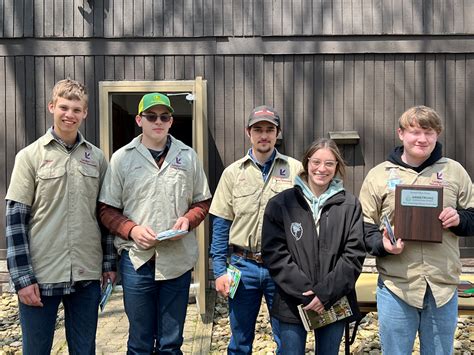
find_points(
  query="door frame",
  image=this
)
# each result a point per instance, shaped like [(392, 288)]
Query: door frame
[(198, 88)]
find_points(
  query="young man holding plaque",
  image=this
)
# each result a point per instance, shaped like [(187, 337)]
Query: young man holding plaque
[(416, 291)]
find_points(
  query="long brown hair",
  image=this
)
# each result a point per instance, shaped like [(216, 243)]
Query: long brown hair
[(323, 143)]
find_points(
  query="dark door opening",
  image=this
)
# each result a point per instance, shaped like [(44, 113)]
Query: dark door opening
[(124, 110)]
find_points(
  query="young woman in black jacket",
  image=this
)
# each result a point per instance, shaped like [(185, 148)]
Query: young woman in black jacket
[(312, 243)]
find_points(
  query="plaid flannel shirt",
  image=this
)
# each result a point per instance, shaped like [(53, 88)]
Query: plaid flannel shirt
[(18, 253)]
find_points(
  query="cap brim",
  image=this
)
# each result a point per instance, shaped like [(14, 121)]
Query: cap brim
[(149, 107), (263, 119)]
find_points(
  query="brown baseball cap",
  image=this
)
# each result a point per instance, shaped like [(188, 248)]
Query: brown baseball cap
[(264, 113)]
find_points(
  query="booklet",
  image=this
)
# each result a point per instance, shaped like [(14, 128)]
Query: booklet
[(234, 276), (106, 293), (170, 233), (465, 289), (313, 320), (389, 229)]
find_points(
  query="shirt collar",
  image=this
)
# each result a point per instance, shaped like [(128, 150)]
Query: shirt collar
[(69, 147)]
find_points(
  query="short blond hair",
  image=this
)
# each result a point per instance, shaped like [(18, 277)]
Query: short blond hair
[(70, 90), (423, 116)]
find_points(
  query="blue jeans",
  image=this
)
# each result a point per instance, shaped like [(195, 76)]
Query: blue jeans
[(80, 320), (156, 310), (328, 338), (399, 323), (255, 282)]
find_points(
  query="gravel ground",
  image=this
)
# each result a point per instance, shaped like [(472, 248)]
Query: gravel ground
[(367, 341)]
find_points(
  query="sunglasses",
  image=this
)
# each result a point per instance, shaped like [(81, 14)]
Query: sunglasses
[(151, 117)]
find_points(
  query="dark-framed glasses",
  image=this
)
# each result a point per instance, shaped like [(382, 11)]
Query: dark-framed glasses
[(316, 163), (151, 117)]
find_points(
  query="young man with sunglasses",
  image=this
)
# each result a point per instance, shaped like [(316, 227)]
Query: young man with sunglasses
[(153, 184), (238, 205)]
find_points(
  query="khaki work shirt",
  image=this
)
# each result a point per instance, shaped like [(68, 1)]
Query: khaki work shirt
[(242, 195), (157, 197), (420, 263), (62, 189)]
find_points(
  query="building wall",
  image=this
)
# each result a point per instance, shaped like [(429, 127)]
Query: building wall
[(204, 18), (325, 65)]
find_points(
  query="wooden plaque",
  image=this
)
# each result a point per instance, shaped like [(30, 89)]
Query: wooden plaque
[(417, 208)]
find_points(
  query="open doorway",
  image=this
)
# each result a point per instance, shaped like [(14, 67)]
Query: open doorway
[(124, 110)]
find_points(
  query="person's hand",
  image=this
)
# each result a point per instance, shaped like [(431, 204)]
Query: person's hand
[(387, 244), (143, 236), (449, 217), (30, 295), (182, 223), (315, 304), (223, 285), (109, 275)]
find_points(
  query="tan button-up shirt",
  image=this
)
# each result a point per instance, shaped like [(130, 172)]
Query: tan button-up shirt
[(62, 189), (420, 263), (157, 197), (242, 195)]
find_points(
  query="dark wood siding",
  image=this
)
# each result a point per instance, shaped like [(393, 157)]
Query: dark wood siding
[(325, 65), (314, 93), (197, 18)]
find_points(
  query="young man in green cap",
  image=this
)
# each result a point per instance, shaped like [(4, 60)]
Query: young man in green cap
[(153, 184)]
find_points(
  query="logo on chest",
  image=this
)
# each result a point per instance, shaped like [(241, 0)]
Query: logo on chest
[(87, 160), (438, 179), (179, 163), (296, 230)]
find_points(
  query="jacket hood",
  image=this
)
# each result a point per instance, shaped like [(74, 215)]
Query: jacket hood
[(395, 157), (316, 203)]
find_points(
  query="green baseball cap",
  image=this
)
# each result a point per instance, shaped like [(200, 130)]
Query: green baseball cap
[(153, 99)]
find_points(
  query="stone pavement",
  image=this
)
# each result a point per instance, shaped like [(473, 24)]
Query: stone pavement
[(112, 330)]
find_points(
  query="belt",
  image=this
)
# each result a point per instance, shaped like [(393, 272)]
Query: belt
[(247, 254)]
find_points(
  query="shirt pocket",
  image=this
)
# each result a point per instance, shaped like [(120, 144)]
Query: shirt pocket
[(89, 181), (52, 182), (450, 195), (278, 186), (245, 200), (179, 189)]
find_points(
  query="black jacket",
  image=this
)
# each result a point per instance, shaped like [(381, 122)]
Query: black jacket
[(299, 260)]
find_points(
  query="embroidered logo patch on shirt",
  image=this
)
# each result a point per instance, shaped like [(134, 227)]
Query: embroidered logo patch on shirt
[(438, 179), (179, 163), (87, 159), (296, 230)]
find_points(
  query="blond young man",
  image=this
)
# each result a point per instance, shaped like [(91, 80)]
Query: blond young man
[(153, 184), (54, 250), (416, 290)]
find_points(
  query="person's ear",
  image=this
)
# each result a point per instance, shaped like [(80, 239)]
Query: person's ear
[(138, 120), (400, 134), (248, 131), (51, 107)]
